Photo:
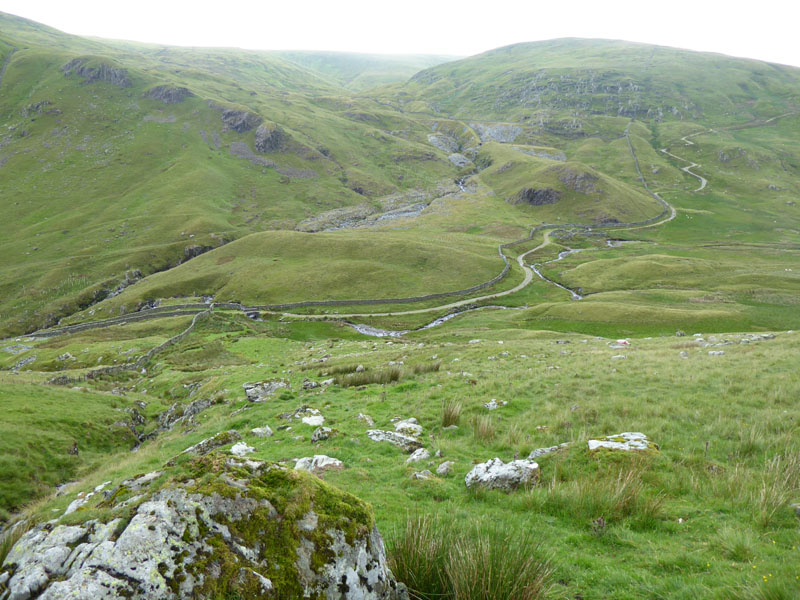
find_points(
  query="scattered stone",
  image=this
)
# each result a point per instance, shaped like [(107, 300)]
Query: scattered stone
[(262, 432), (17, 349), (619, 357), (716, 352), (309, 385), (450, 428), (680, 333), (319, 464), (445, 469), (65, 356), (367, 419), (406, 442), (360, 369), (497, 475), (223, 438), (545, 451), (422, 475), (241, 450), (493, 404), (475, 341), (684, 354), (409, 426), (623, 441), (418, 455), (306, 414), (320, 434), (263, 390)]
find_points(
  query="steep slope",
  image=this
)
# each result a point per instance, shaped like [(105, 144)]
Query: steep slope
[(117, 157), (580, 77)]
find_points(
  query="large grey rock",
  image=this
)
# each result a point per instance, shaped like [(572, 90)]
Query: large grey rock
[(497, 475), (263, 390), (401, 440), (318, 464), (249, 530), (418, 455)]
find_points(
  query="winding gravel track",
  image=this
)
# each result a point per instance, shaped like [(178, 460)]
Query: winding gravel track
[(666, 216)]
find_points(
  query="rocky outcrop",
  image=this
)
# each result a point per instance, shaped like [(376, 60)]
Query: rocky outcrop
[(536, 197), (579, 181), (497, 133), (215, 527), (101, 71), (168, 94), (497, 475), (190, 252), (270, 138), (240, 121)]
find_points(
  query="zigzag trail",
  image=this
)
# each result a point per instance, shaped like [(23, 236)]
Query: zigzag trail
[(667, 215)]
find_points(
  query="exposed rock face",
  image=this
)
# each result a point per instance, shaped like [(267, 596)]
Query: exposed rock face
[(497, 133), (406, 442), (536, 197), (100, 72), (168, 94), (585, 183), (443, 142), (240, 120), (497, 475), (623, 441), (190, 252), (459, 160), (270, 138), (249, 530)]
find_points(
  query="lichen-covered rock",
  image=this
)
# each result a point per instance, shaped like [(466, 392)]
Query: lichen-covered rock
[(497, 475), (214, 528), (321, 434), (545, 451), (445, 469), (418, 455), (207, 445), (406, 442), (623, 441), (263, 390), (318, 464), (262, 432), (408, 426)]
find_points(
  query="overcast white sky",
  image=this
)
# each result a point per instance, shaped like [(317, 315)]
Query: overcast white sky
[(767, 29)]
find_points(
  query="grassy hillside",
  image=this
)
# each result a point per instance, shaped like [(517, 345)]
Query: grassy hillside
[(360, 72)]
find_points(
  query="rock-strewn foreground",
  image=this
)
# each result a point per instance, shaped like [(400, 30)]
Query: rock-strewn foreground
[(211, 527)]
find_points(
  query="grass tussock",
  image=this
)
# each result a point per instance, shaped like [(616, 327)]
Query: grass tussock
[(11, 537), (779, 483), (451, 413), (421, 368), (342, 369), (439, 561), (368, 377), (483, 428)]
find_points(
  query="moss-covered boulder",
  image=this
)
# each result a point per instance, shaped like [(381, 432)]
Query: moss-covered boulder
[(208, 527)]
